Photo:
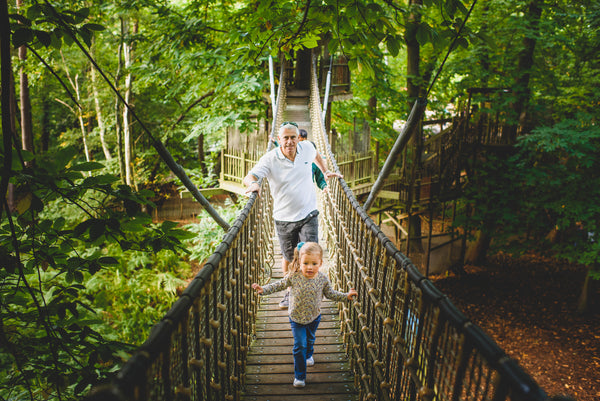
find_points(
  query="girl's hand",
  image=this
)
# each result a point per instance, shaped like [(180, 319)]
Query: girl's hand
[(258, 288), (352, 293)]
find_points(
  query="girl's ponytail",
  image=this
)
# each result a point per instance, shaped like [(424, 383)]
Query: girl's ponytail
[(294, 265)]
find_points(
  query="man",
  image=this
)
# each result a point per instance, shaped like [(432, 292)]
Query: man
[(288, 168)]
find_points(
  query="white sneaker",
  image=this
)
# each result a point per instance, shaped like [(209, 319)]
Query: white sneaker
[(310, 361), (285, 302), (299, 383)]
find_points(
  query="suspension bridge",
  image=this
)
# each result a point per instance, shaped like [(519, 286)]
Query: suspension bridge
[(401, 339)]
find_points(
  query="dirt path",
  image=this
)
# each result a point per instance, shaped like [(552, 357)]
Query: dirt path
[(528, 307)]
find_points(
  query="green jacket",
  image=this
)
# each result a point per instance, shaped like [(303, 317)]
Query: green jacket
[(318, 177)]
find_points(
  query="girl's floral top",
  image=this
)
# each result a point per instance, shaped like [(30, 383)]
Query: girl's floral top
[(305, 295)]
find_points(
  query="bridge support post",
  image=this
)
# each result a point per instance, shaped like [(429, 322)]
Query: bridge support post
[(407, 131)]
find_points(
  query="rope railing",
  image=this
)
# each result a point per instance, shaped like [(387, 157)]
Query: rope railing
[(404, 338), (198, 350)]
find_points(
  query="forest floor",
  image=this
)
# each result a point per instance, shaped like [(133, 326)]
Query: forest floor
[(528, 306)]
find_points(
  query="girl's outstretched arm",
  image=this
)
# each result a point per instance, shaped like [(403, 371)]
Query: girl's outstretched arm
[(352, 293), (258, 288)]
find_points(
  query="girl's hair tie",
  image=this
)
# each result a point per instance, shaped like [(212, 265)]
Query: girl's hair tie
[(300, 244)]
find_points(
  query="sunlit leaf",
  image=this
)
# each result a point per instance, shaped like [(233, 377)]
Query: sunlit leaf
[(87, 166)]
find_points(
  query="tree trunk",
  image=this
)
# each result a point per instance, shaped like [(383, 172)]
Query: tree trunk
[(25, 101), (86, 149), (7, 102), (127, 134), (99, 116), (118, 126), (413, 85), (523, 73), (201, 157), (77, 110), (477, 252), (372, 108), (588, 298)]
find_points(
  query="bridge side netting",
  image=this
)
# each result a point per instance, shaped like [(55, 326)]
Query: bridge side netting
[(404, 338)]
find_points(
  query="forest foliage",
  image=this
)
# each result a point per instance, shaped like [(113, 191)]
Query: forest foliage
[(86, 272)]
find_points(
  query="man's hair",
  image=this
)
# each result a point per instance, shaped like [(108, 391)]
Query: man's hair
[(303, 133), (289, 126)]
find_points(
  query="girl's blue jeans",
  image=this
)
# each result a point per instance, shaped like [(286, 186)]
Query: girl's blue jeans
[(304, 341)]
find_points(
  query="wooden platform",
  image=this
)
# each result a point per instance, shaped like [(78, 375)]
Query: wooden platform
[(270, 368)]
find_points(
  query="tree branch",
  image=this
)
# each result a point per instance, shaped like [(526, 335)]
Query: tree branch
[(194, 104), (55, 75), (304, 18)]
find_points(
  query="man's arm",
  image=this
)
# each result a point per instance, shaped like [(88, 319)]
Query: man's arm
[(323, 166)]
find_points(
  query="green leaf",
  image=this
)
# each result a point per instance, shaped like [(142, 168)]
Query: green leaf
[(21, 37), (21, 19), (97, 229), (59, 223), (86, 35), (87, 166), (81, 14), (146, 193), (132, 226), (462, 42), (37, 204), (375, 7), (68, 39), (63, 156), (82, 227), (44, 37), (423, 33), (392, 45), (108, 260), (55, 41), (78, 277), (94, 27), (34, 12), (168, 225), (450, 6)]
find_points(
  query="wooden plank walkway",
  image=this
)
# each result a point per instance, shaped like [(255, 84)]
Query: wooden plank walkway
[(270, 367)]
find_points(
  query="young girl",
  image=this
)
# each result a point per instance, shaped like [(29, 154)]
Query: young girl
[(308, 286)]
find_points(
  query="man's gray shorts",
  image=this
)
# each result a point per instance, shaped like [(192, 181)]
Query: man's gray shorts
[(290, 233)]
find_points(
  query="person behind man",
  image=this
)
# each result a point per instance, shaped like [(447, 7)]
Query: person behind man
[(318, 176), (288, 168)]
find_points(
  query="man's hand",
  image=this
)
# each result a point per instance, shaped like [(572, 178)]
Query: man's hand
[(329, 174), (253, 187)]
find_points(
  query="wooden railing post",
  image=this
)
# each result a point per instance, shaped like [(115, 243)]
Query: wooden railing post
[(222, 172), (244, 165)]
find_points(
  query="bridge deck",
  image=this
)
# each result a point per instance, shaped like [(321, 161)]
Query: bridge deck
[(270, 366)]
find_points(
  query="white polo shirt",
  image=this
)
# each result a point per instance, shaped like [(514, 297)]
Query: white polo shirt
[(291, 184)]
